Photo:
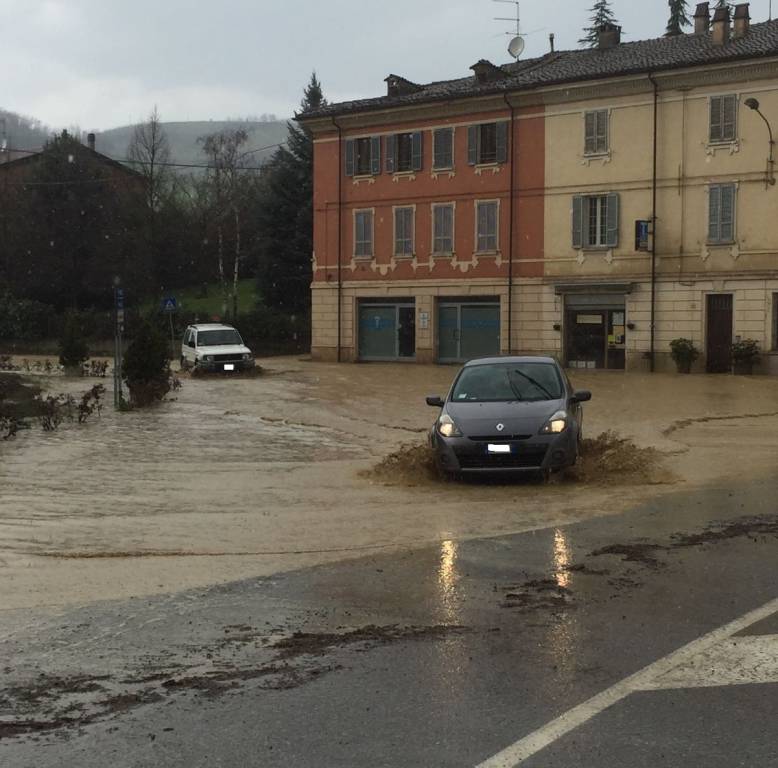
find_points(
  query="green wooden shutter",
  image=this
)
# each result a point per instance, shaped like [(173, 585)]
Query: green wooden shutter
[(417, 160), (590, 130), (727, 213), (715, 119), (601, 140), (612, 236), (578, 206), (391, 153), (375, 155), (728, 118), (349, 157), (714, 214), (502, 142), (473, 133)]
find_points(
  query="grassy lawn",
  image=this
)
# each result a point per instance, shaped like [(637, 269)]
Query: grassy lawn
[(192, 300)]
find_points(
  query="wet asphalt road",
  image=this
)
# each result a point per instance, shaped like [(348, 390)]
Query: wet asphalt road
[(437, 657)]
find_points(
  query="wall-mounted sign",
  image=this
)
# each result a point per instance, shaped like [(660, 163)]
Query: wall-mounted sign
[(588, 319), (424, 320), (642, 228)]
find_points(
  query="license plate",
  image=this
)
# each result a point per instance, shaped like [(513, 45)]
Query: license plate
[(229, 367), (499, 449)]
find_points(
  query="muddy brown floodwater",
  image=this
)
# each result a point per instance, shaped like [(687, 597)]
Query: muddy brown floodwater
[(238, 478)]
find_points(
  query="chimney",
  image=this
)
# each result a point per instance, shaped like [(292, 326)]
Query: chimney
[(399, 86), (608, 36), (551, 39), (742, 21), (721, 25), (91, 139), (702, 19), (486, 72)]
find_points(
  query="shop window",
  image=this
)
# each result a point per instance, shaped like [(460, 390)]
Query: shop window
[(596, 221)]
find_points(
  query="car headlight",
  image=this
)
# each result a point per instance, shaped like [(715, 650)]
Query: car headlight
[(247, 357), (448, 427), (556, 424), (208, 358)]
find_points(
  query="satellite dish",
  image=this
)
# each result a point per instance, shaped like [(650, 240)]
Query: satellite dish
[(516, 47)]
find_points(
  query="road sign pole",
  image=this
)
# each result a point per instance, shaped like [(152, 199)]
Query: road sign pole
[(118, 294)]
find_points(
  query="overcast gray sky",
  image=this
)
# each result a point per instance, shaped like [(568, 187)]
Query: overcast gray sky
[(103, 63)]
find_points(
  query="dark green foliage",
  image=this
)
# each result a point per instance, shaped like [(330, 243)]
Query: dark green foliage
[(73, 350), (684, 353), (284, 270), (601, 14), (23, 319), (146, 368), (679, 17)]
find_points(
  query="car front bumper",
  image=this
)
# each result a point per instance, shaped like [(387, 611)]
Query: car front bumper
[(539, 453), (217, 366)]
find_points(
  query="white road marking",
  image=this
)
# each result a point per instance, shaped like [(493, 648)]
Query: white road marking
[(525, 748)]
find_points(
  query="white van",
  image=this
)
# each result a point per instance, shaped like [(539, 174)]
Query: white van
[(215, 347)]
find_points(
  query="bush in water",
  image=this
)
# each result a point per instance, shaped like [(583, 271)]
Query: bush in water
[(146, 368), (73, 351)]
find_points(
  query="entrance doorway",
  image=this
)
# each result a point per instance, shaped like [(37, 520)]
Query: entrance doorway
[(467, 330), (387, 331), (719, 333), (595, 336)]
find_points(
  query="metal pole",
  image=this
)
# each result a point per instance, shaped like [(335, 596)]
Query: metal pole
[(653, 228)]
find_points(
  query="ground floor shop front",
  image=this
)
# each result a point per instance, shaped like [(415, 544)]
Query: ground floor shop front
[(589, 325)]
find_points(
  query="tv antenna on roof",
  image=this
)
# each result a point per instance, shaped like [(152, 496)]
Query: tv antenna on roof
[(516, 45)]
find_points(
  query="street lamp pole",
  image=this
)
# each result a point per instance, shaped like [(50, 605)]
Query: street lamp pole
[(770, 174)]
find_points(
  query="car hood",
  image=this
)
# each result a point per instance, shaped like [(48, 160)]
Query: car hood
[(224, 349), (518, 418)]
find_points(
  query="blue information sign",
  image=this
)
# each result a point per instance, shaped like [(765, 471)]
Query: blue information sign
[(169, 304)]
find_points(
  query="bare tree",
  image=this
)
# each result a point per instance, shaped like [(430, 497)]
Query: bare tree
[(228, 183), (149, 152)]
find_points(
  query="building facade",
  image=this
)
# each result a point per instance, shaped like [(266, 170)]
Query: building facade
[(593, 205)]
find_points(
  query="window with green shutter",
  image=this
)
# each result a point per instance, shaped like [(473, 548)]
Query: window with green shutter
[(596, 132), (403, 231), (723, 119), (404, 152), (443, 228), (596, 221), (721, 213), (487, 143), (363, 233), (487, 240), (443, 149)]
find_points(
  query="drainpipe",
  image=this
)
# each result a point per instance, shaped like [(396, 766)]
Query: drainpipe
[(510, 224), (653, 229), (340, 234)]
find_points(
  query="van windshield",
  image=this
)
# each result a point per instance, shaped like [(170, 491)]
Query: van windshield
[(218, 338)]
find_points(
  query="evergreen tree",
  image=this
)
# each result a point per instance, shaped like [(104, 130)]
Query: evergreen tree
[(284, 269), (601, 14), (679, 17)]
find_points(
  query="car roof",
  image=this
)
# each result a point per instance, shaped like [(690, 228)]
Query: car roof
[(212, 327), (511, 359)]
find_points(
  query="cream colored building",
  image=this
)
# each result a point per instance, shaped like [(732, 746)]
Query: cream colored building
[(655, 188)]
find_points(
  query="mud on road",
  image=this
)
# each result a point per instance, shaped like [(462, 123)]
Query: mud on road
[(305, 465)]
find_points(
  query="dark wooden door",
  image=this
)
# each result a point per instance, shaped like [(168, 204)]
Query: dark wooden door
[(719, 356)]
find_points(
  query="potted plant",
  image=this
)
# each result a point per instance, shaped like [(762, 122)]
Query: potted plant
[(745, 354), (684, 353)]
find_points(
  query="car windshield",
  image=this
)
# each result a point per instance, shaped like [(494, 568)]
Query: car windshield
[(218, 338), (503, 382)]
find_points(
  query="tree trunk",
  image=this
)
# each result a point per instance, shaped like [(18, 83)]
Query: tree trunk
[(236, 270), (220, 237)]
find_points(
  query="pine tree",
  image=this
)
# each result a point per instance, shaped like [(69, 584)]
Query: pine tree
[(601, 14), (284, 269), (679, 17)]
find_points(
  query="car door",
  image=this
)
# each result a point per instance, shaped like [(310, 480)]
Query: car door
[(189, 346)]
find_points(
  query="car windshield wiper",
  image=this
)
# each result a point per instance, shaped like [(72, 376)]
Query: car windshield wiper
[(516, 392), (533, 382)]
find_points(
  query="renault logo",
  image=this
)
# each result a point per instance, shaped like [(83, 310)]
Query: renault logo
[(500, 427)]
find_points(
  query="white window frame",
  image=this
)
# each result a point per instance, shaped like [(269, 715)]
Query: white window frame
[(496, 249), (365, 257), (453, 207), (723, 142), (412, 209), (601, 223)]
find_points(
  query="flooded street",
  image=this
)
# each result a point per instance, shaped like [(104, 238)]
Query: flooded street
[(249, 477), (234, 557)]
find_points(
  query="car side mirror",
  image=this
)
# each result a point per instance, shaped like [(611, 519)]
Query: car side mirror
[(582, 396), (191, 344), (435, 402)]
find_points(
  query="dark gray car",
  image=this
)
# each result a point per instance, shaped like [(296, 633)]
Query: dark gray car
[(509, 414)]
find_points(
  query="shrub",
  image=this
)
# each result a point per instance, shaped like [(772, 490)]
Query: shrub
[(684, 353), (745, 354), (73, 351), (146, 367), (23, 319)]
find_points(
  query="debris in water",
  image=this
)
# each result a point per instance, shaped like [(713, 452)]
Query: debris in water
[(412, 464)]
